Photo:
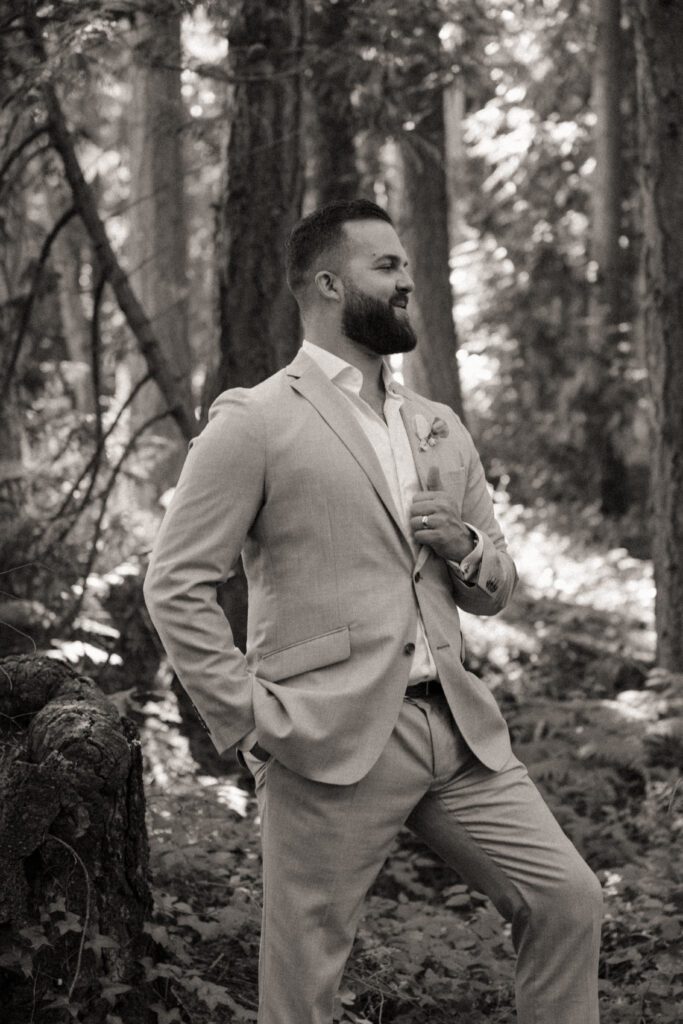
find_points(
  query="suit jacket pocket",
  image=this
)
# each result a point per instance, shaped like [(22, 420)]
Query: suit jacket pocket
[(306, 655)]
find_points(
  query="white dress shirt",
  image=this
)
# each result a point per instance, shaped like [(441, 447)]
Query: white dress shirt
[(391, 444)]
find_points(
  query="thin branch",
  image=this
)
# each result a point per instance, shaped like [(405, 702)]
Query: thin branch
[(86, 919), (94, 457), (27, 307), (105, 495), (95, 352), (18, 150)]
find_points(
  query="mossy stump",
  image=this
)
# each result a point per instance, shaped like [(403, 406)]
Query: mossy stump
[(74, 891)]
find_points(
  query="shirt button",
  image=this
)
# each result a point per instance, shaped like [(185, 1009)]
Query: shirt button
[(409, 649)]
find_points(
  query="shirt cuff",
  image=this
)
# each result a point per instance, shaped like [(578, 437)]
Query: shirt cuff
[(468, 567)]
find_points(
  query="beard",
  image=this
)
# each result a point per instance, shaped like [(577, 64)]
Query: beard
[(376, 325)]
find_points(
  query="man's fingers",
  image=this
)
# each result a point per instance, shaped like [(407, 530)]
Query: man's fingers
[(434, 479)]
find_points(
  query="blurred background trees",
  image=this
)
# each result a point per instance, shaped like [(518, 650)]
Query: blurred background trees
[(154, 157)]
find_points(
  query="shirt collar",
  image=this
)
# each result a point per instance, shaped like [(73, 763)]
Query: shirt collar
[(337, 369)]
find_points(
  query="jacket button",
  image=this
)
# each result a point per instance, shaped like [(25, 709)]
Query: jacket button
[(417, 577), (491, 586), (409, 649)]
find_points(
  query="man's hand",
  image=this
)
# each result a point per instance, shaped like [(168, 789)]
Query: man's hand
[(445, 532)]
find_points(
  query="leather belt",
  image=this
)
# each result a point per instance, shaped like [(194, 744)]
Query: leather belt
[(426, 688)]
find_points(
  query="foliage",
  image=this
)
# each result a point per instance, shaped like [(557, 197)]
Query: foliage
[(523, 271)]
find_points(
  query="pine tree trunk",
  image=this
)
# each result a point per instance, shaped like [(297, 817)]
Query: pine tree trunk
[(259, 326), (454, 103), (157, 251), (658, 26), (604, 300), (423, 224), (330, 85)]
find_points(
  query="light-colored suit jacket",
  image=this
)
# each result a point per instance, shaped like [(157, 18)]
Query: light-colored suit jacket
[(284, 475)]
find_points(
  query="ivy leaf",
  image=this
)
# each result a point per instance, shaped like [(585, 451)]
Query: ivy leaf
[(163, 1015), (100, 942), (71, 923), (36, 936), (111, 990), (64, 1003)]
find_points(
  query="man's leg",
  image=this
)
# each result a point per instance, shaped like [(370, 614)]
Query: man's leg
[(497, 832), (323, 846)]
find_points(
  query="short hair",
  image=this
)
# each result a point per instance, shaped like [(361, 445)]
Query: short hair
[(321, 230)]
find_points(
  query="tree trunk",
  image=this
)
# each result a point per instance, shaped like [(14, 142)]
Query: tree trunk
[(330, 85), (73, 849), (658, 26), (423, 224), (67, 260), (259, 326), (604, 313), (157, 249), (12, 469), (454, 104)]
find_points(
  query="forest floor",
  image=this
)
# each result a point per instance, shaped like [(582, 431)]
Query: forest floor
[(570, 661)]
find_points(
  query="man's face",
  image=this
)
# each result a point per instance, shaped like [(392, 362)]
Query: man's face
[(377, 287)]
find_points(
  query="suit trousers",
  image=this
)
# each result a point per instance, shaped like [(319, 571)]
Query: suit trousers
[(323, 846)]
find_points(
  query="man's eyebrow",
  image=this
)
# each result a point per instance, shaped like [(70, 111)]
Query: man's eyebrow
[(396, 260)]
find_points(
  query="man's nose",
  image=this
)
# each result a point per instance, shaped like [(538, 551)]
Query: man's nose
[(405, 282)]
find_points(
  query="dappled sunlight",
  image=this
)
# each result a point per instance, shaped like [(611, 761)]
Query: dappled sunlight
[(565, 566), (228, 794)]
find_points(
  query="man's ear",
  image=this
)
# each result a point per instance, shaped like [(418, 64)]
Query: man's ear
[(328, 285)]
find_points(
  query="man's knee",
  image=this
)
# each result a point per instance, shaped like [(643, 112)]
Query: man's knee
[(576, 899)]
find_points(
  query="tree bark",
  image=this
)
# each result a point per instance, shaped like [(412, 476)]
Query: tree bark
[(157, 250), (658, 27), (73, 847), (259, 326), (423, 223), (330, 85), (604, 314)]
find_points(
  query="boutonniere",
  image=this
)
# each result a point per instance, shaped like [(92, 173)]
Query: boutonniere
[(428, 435)]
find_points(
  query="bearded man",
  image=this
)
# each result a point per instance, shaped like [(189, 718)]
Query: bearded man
[(364, 522)]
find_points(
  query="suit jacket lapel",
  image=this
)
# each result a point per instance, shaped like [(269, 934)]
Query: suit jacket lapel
[(408, 412), (423, 460), (306, 377)]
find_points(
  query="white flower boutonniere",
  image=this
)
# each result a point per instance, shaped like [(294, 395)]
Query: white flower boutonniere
[(428, 435)]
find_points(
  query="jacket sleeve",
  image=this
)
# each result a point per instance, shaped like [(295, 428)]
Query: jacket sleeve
[(489, 590), (215, 503)]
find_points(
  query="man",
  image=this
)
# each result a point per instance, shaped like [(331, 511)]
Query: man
[(364, 521)]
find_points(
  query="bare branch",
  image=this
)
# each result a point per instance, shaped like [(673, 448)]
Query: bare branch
[(137, 320), (18, 150), (27, 307), (105, 495), (95, 457)]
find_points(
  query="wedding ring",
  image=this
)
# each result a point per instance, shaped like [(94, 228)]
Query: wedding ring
[(425, 522)]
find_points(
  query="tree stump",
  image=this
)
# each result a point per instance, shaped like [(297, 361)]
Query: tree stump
[(74, 891)]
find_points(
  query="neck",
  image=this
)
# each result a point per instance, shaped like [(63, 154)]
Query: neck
[(369, 363)]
